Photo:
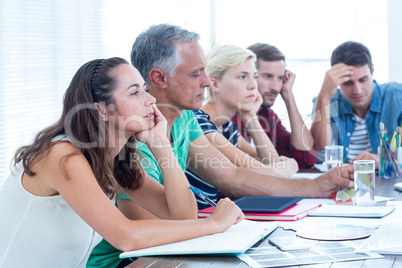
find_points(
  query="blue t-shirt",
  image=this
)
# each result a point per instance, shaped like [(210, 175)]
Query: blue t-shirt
[(184, 130), (229, 130), (385, 107)]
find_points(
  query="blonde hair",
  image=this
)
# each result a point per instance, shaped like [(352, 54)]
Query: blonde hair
[(221, 58)]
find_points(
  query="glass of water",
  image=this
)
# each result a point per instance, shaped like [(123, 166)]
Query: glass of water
[(333, 156), (364, 173)]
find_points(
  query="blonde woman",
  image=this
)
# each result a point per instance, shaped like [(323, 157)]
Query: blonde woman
[(233, 88)]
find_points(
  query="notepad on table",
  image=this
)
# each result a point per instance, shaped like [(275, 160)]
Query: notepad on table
[(266, 204), (293, 213), (352, 211), (237, 239)]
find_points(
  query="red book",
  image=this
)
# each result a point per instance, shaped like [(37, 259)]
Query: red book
[(293, 213)]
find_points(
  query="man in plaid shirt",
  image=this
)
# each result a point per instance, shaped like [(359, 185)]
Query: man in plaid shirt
[(274, 79)]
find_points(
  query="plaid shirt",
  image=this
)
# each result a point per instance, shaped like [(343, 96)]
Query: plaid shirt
[(279, 136)]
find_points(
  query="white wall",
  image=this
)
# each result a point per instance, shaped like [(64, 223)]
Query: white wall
[(395, 40)]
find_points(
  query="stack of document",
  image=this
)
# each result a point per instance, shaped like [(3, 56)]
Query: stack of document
[(269, 208), (293, 213)]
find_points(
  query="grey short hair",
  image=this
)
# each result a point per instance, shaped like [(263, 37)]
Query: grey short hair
[(156, 48)]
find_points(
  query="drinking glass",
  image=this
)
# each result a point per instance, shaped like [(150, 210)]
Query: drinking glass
[(364, 173), (333, 156)]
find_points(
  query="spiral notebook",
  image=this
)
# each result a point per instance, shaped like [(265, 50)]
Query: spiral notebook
[(352, 211)]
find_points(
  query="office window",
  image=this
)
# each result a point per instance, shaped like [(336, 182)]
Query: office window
[(306, 32), (42, 44)]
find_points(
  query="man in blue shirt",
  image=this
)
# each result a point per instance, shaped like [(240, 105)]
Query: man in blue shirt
[(350, 105)]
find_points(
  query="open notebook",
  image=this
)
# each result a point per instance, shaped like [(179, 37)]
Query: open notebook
[(237, 239), (354, 211)]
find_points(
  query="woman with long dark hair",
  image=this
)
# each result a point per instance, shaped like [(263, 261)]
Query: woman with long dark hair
[(61, 189)]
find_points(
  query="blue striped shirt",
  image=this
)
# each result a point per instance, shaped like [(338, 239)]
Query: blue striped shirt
[(229, 130)]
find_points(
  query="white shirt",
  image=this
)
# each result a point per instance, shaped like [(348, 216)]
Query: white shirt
[(40, 231), (359, 141)]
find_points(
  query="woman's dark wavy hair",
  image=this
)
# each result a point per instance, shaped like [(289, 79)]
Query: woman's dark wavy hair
[(80, 121)]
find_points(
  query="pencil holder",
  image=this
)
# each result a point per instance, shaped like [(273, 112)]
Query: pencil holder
[(389, 166)]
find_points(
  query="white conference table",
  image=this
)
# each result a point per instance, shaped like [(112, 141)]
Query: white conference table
[(384, 188)]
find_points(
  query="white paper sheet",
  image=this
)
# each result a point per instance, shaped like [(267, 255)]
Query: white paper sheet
[(387, 240), (310, 176)]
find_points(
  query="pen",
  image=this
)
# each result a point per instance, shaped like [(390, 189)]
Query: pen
[(393, 140), (202, 195)]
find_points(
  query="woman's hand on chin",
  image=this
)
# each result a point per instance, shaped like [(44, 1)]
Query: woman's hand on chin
[(157, 134), (246, 115)]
